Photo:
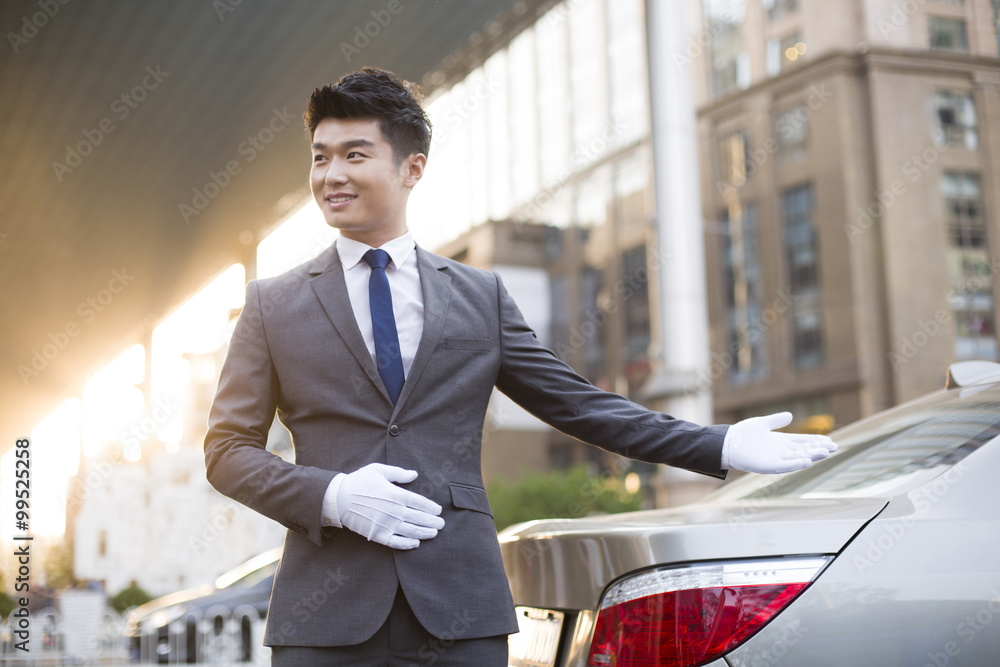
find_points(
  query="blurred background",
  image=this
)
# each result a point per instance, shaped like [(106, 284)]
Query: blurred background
[(719, 208)]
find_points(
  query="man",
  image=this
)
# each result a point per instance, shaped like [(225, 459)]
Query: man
[(380, 359)]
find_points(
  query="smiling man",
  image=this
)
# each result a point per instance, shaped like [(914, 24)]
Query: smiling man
[(380, 358)]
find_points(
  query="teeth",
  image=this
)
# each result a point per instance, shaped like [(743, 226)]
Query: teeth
[(340, 199)]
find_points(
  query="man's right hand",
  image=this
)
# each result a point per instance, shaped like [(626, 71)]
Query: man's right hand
[(370, 504)]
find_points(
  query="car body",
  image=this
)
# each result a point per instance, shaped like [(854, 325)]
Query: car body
[(887, 553), (195, 624)]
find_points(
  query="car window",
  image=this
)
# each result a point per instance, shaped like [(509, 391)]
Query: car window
[(888, 453)]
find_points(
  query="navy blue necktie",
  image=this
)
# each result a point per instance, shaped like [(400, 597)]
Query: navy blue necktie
[(390, 360)]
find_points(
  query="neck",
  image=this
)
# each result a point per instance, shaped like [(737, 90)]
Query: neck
[(375, 239)]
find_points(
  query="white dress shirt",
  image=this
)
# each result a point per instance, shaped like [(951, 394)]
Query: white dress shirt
[(404, 284), (407, 307)]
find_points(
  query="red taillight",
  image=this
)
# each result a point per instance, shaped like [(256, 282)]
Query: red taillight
[(687, 616)]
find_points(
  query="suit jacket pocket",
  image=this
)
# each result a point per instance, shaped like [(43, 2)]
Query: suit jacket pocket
[(470, 498), (467, 343)]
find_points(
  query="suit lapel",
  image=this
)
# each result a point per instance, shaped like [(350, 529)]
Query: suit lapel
[(330, 288), (435, 284)]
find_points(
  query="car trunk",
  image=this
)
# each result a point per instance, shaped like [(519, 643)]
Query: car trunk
[(567, 563)]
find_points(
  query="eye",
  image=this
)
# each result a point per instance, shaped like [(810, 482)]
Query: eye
[(317, 158), (354, 153)]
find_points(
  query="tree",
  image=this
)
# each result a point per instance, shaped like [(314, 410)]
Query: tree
[(561, 494), (57, 565), (130, 596)]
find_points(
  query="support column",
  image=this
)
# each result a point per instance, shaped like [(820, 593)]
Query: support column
[(684, 340)]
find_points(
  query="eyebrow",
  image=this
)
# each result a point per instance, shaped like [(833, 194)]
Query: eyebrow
[(344, 145)]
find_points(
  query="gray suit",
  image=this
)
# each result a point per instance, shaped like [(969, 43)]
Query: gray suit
[(297, 348)]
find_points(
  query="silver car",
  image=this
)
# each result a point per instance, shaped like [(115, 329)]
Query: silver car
[(887, 553)]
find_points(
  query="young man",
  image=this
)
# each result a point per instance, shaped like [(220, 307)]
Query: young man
[(380, 358)]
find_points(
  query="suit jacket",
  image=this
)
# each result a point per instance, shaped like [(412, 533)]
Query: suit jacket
[(297, 349)]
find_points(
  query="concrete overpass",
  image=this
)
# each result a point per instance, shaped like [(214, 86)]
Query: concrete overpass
[(148, 145)]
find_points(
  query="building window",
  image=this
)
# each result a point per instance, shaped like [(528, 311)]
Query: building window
[(956, 116), (803, 276), (996, 23), (969, 270), (729, 64), (783, 52), (792, 130), (947, 33), (745, 341), (736, 159), (594, 359), (636, 300), (561, 319), (627, 79), (588, 82), (778, 8)]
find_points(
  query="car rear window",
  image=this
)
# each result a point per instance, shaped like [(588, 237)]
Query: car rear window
[(891, 452)]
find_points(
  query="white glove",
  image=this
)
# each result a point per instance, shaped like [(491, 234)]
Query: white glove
[(751, 445), (372, 506)]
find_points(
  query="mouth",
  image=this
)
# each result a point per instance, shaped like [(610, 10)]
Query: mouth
[(339, 200)]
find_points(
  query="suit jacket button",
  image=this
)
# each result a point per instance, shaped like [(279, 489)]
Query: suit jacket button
[(394, 429)]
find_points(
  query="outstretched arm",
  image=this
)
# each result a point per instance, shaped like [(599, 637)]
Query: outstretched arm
[(534, 378)]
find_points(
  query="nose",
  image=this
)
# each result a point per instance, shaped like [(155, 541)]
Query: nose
[(335, 173)]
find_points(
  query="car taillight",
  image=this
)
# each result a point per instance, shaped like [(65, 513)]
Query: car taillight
[(689, 615)]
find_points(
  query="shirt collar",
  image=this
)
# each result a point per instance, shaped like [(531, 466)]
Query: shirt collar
[(352, 251)]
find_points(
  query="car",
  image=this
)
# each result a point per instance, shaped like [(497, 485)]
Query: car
[(214, 621), (886, 553)]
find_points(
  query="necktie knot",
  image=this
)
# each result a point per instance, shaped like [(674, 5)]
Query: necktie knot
[(377, 258)]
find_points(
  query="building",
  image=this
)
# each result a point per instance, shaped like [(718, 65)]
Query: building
[(848, 158)]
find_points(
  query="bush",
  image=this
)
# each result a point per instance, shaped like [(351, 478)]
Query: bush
[(6, 605), (133, 596), (561, 494)]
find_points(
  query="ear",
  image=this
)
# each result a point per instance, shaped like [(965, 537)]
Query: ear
[(412, 169)]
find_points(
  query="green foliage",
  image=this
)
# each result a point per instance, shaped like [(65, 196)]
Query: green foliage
[(132, 596), (562, 494), (6, 605), (58, 566)]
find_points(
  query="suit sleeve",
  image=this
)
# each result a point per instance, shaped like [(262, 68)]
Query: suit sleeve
[(237, 463), (534, 378)]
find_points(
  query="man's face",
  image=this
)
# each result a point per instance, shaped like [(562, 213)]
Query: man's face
[(355, 181)]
